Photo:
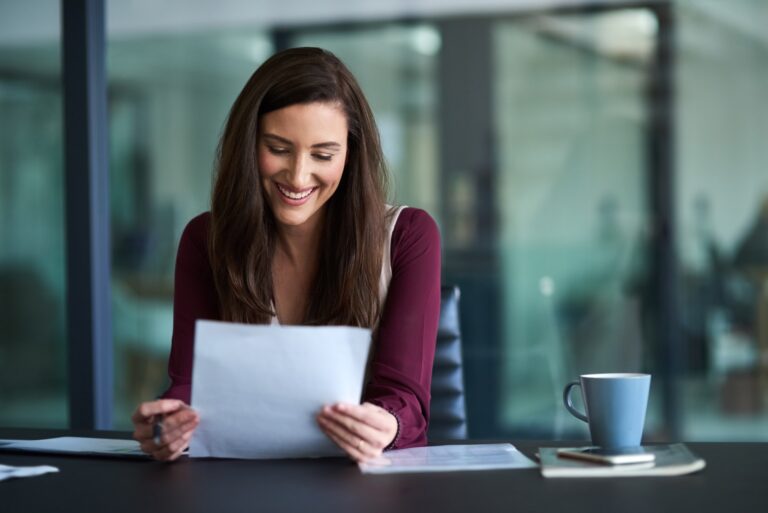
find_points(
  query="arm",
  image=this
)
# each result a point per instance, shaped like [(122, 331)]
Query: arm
[(395, 411), (194, 297), (401, 369)]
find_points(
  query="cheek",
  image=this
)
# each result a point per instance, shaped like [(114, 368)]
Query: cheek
[(330, 179), (337, 172), (268, 165), (333, 173)]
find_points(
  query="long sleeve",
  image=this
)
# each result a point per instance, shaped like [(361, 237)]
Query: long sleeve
[(194, 297), (400, 376)]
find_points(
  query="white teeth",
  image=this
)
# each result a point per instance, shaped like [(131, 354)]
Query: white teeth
[(295, 195)]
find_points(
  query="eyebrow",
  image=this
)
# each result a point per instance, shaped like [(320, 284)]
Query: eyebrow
[(328, 144)]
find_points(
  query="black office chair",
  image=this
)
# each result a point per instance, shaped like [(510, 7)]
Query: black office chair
[(448, 412)]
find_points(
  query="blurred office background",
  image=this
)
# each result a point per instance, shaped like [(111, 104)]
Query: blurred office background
[(599, 171)]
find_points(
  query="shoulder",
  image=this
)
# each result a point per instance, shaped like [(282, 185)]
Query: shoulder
[(415, 230), (194, 238), (199, 224), (416, 221)]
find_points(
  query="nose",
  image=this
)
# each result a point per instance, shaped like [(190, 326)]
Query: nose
[(299, 172)]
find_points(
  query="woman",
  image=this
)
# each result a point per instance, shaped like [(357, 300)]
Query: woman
[(299, 233)]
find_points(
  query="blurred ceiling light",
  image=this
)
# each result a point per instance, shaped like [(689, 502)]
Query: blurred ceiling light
[(645, 22), (259, 49), (426, 40), (629, 33), (626, 34)]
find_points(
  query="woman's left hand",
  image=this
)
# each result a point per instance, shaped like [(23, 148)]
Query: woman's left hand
[(361, 430)]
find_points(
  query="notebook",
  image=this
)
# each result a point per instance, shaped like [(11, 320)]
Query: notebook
[(671, 460)]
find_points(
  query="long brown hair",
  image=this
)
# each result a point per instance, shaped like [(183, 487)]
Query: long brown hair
[(242, 237)]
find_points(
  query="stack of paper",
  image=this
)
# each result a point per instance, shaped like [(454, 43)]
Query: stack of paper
[(447, 458)]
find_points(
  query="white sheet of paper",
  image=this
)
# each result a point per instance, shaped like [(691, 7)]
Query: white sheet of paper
[(259, 388), (77, 445), (448, 458), (7, 472)]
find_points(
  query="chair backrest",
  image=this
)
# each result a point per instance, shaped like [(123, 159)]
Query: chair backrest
[(448, 413)]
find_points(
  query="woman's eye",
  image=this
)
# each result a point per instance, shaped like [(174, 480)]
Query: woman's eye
[(321, 156), (276, 150)]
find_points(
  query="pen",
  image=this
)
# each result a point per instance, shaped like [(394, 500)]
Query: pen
[(157, 430)]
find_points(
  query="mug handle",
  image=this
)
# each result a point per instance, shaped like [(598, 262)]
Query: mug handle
[(569, 405)]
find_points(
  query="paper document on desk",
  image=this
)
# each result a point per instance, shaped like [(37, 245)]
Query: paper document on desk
[(258, 389), (8, 472), (447, 458), (77, 445)]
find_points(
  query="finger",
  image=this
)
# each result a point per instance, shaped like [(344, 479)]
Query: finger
[(354, 430), (161, 455), (149, 444), (145, 426), (385, 420), (142, 432), (173, 450), (179, 418), (375, 416), (362, 413), (169, 437), (370, 447), (358, 427), (354, 412), (179, 444), (149, 409), (144, 420), (351, 450), (176, 455), (144, 429)]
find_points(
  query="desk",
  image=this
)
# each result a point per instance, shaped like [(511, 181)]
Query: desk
[(736, 480)]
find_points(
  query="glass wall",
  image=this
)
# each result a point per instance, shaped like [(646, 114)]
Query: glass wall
[(722, 213), (32, 253), (571, 120)]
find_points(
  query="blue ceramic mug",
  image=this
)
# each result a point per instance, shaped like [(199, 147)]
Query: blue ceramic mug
[(615, 404)]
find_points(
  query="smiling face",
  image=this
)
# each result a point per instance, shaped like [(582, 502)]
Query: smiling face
[(302, 150)]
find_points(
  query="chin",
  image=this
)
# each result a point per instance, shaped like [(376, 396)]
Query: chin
[(291, 220), (294, 218)]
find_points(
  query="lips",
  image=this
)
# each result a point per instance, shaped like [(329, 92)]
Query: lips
[(293, 197)]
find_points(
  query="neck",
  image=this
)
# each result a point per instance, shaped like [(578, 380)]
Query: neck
[(300, 244)]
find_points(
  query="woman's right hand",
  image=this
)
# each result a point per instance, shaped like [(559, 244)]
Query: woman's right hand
[(178, 423)]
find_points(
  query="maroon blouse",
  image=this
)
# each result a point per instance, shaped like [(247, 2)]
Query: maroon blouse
[(400, 375)]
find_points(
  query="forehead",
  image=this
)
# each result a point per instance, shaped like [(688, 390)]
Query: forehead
[(307, 122)]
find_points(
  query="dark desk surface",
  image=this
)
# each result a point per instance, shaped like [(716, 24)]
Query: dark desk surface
[(735, 480)]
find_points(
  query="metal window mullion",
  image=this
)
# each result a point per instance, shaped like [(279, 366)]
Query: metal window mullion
[(666, 278), (89, 320)]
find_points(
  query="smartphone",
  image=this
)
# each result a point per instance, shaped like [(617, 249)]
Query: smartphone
[(621, 456)]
